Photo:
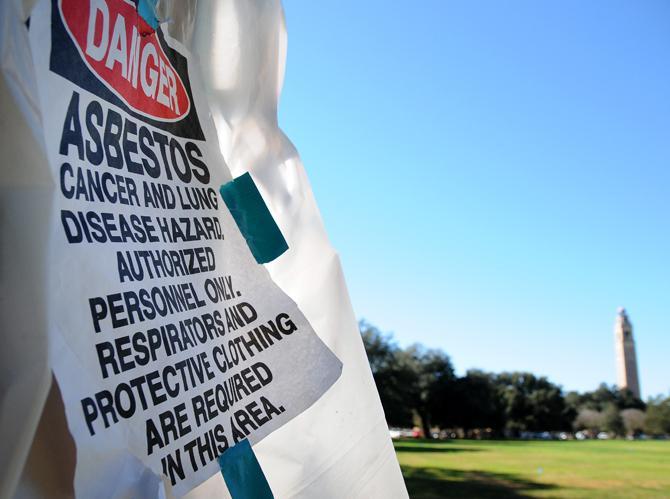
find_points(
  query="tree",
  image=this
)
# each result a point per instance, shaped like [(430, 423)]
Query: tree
[(573, 400), (431, 377), (588, 419), (601, 397), (599, 400), (531, 403), (633, 420), (474, 403), (612, 421), (413, 380), (420, 382), (657, 420), (393, 382), (627, 400)]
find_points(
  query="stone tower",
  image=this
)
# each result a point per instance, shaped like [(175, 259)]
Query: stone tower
[(626, 361)]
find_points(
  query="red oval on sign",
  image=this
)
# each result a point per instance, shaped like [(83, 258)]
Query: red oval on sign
[(124, 52)]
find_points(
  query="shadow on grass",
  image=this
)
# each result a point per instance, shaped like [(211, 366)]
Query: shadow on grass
[(434, 483), (431, 447)]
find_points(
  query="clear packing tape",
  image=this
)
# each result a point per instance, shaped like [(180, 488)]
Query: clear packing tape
[(340, 446)]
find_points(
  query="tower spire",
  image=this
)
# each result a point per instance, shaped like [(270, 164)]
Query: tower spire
[(625, 353)]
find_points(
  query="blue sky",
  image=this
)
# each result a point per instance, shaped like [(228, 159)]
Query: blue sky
[(494, 175)]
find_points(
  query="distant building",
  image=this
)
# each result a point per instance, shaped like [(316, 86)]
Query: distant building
[(626, 361)]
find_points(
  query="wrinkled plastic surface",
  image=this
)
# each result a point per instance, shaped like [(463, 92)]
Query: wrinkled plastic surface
[(340, 446)]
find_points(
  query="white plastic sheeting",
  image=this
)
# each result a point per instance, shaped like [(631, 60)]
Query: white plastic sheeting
[(340, 446)]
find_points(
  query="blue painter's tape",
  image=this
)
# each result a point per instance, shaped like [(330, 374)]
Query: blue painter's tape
[(242, 473), (147, 10), (253, 218)]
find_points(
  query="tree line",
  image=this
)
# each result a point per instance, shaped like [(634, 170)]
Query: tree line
[(418, 385)]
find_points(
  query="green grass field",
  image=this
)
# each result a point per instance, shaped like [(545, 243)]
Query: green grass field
[(466, 468)]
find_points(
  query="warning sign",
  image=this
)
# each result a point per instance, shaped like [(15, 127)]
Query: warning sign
[(169, 341)]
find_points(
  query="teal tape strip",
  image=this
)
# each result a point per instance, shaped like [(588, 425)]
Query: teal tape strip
[(252, 216), (242, 473), (147, 10)]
